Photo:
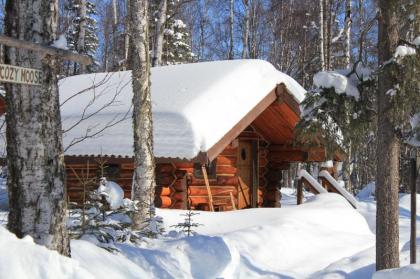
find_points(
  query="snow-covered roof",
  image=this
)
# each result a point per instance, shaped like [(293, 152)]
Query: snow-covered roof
[(194, 106)]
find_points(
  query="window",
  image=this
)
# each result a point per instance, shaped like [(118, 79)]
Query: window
[(210, 168)]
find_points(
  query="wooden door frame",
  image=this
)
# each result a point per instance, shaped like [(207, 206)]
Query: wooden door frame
[(255, 174), (254, 171)]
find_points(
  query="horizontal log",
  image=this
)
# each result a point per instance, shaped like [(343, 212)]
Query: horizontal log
[(179, 196), (179, 205), (163, 201), (184, 165), (53, 51), (279, 165), (288, 156), (227, 180), (204, 200), (230, 152), (165, 180), (164, 168), (215, 190), (162, 191), (222, 160), (127, 166), (225, 170)]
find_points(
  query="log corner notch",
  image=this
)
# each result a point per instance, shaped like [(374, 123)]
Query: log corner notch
[(46, 50)]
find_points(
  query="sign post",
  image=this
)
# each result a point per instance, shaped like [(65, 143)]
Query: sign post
[(20, 75)]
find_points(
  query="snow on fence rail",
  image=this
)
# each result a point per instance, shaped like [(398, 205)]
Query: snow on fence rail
[(318, 187), (334, 183)]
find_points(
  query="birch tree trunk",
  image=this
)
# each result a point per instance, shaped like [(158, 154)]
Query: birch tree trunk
[(231, 22), (321, 35), (34, 141), (347, 32), (160, 28), (245, 50), (144, 163), (127, 37), (114, 35), (82, 34), (388, 145)]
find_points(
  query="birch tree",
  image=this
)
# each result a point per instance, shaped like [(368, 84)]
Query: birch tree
[(159, 32), (114, 35), (245, 36), (144, 164), (347, 32), (34, 142), (231, 26), (321, 35)]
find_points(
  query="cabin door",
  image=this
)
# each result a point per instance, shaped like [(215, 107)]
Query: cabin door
[(245, 167)]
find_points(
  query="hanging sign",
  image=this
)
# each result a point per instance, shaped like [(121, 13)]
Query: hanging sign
[(19, 75)]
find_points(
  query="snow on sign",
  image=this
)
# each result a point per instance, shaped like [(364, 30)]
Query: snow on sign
[(19, 75)]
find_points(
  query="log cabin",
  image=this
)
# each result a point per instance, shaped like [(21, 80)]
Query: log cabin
[(223, 133)]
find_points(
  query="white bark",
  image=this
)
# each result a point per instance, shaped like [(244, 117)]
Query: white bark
[(114, 35), (127, 36), (82, 31), (144, 164), (347, 32), (231, 32), (245, 39), (160, 26), (34, 142), (321, 35)]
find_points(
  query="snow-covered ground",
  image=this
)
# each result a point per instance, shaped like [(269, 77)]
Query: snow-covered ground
[(323, 238)]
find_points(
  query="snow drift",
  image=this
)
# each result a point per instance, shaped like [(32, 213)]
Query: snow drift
[(253, 243)]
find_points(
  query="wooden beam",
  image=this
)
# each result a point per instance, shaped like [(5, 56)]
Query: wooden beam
[(241, 125), (289, 153), (206, 181), (62, 53), (284, 96)]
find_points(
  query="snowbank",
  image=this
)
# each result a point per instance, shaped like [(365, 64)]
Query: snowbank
[(24, 259), (407, 272), (185, 100), (253, 243), (367, 192)]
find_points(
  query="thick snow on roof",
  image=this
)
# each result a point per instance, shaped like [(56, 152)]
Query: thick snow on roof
[(194, 106)]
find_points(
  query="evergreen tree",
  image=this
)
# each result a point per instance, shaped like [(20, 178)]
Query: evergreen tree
[(176, 46), (81, 35)]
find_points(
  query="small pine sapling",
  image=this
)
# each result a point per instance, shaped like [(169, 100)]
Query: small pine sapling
[(153, 224), (188, 225)]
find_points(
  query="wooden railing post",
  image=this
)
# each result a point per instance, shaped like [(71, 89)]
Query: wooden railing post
[(299, 196), (206, 181)]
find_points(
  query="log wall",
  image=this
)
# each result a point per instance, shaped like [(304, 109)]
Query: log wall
[(177, 184)]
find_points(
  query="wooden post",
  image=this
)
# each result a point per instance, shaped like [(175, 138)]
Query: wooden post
[(413, 180), (299, 196), (232, 200), (206, 181)]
